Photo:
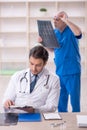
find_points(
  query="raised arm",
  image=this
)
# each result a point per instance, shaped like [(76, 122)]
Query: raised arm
[(75, 29)]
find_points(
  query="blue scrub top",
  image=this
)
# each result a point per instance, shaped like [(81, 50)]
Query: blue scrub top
[(67, 58)]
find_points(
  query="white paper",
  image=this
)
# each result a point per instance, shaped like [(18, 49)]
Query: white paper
[(82, 120), (49, 116), (13, 106), (16, 109)]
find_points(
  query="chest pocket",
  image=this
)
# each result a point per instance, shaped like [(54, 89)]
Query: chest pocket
[(45, 90)]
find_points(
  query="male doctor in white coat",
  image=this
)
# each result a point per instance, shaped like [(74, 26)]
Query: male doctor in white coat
[(44, 97)]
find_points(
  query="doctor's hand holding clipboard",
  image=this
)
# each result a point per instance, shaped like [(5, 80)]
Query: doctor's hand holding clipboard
[(11, 107)]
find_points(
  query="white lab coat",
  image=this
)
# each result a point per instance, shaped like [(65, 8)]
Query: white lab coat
[(43, 98)]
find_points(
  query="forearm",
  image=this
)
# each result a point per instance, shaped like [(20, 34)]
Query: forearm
[(46, 108), (75, 29)]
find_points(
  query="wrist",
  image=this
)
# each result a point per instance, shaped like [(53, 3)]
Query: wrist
[(66, 20)]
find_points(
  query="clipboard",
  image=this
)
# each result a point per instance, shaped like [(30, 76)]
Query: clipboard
[(52, 116), (47, 34)]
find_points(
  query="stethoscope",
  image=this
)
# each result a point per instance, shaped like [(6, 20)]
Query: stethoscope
[(25, 80), (45, 85)]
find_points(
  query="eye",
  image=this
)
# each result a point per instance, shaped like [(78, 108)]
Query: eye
[(55, 18)]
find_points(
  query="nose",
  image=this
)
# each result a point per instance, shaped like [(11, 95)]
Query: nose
[(34, 68)]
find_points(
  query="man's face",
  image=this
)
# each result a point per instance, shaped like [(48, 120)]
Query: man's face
[(36, 65), (58, 23)]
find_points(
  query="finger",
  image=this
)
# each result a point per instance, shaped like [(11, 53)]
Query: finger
[(8, 104)]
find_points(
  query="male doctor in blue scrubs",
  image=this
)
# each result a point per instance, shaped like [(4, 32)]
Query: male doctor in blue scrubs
[(67, 61)]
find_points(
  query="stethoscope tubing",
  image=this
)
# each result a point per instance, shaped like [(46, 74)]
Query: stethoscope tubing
[(24, 77)]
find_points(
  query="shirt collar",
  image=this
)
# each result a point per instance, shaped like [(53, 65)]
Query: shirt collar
[(39, 75)]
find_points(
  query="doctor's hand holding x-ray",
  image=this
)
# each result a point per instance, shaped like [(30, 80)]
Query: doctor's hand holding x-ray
[(44, 97)]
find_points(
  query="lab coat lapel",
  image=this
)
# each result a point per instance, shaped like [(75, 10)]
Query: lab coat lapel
[(42, 79)]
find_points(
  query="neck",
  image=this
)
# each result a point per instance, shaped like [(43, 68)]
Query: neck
[(62, 28)]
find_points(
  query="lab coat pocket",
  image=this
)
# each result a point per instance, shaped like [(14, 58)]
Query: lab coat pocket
[(45, 90)]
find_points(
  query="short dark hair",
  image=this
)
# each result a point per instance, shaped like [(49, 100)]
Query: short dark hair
[(39, 52)]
